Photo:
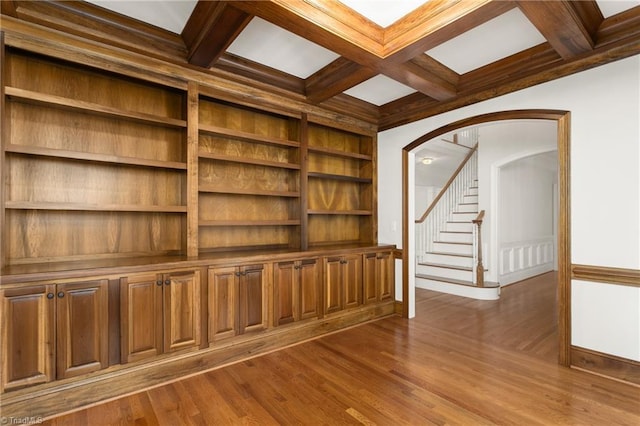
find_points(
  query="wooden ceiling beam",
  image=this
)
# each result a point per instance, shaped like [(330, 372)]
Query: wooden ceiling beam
[(236, 66), (434, 23), (509, 75), (424, 81), (429, 64), (340, 31), (92, 22), (211, 28), (618, 27), (562, 25), (335, 78)]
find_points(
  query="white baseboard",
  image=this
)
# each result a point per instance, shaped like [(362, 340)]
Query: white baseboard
[(523, 274)]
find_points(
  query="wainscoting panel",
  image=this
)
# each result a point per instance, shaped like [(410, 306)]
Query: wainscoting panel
[(525, 259)]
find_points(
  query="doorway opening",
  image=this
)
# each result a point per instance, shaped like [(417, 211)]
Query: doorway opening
[(561, 120)]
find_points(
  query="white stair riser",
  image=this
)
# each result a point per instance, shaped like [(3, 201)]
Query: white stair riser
[(455, 274), (463, 217), (455, 237), (472, 191), (458, 226), (445, 259), (453, 248), (467, 208), (470, 199)]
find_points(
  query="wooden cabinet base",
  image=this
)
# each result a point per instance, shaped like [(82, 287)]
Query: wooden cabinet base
[(44, 401)]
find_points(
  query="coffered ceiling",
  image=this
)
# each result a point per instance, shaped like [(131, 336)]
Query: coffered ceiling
[(389, 62)]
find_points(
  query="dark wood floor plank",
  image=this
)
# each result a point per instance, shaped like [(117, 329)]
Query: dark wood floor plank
[(460, 361)]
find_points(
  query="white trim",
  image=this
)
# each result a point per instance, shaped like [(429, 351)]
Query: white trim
[(479, 293)]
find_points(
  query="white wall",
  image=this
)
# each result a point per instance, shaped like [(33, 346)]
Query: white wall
[(424, 195), (500, 144), (605, 185), (526, 240)]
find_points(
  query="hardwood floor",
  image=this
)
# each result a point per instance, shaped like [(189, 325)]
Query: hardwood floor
[(459, 361)]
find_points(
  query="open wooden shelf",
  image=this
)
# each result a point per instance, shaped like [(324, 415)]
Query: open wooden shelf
[(242, 160), (88, 156), (341, 212), (31, 205), (338, 153), (217, 190), (73, 104), (246, 136), (340, 177), (291, 222)]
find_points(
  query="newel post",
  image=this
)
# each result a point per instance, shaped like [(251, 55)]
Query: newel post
[(479, 266)]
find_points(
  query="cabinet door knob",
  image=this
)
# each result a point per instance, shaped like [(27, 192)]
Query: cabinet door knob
[(159, 282), (167, 282), (50, 296), (61, 294)]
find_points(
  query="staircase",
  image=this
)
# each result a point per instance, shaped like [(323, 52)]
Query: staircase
[(447, 240), (451, 258)]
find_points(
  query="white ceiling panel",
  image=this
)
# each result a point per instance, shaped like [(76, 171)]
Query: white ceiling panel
[(172, 15), (498, 38), (379, 90), (272, 46), (613, 7), (383, 12)]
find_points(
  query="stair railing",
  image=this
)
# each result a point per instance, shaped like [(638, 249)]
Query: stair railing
[(478, 267), (433, 220)]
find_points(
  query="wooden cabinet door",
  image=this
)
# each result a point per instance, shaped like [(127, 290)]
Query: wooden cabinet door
[(309, 289), (82, 327), (379, 276), (181, 297), (385, 276), (140, 317), (370, 282), (285, 292), (352, 280), (27, 328), (222, 292), (253, 298), (297, 287), (333, 299)]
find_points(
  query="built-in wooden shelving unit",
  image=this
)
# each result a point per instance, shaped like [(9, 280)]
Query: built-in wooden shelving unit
[(249, 174), (341, 186), (91, 159), (148, 220)]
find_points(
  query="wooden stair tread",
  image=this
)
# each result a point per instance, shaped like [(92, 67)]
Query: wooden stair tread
[(453, 242), (442, 265), (445, 253)]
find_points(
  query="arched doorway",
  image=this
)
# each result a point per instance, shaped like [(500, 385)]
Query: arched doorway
[(562, 119)]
